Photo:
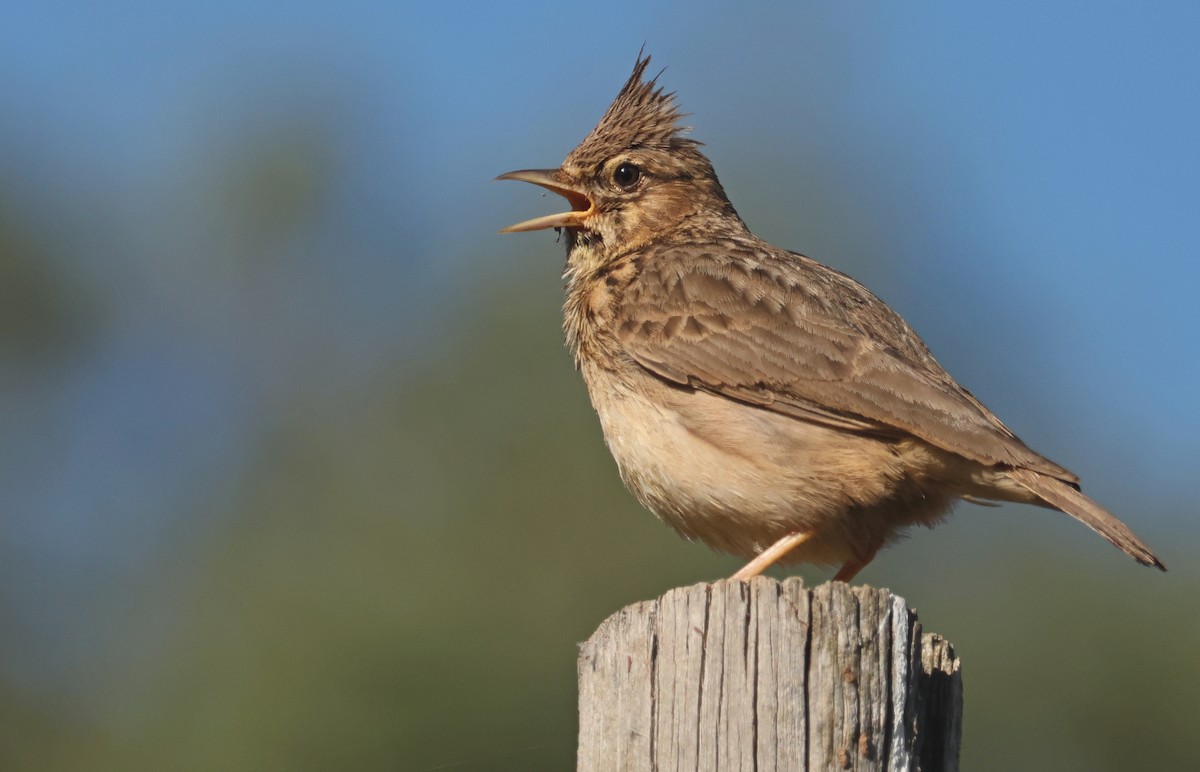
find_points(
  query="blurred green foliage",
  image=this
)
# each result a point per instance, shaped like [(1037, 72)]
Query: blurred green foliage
[(41, 308)]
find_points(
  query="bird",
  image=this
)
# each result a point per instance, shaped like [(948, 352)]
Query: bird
[(754, 399)]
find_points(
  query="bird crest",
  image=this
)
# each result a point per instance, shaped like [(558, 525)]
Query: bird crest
[(642, 116)]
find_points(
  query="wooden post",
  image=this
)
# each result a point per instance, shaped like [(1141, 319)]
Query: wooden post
[(764, 675)]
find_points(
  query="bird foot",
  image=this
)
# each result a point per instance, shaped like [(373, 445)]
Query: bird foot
[(770, 555)]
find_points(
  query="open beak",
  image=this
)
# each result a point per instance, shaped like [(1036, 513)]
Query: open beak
[(553, 180)]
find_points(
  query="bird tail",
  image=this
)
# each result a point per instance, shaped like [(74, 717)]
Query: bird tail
[(1067, 498)]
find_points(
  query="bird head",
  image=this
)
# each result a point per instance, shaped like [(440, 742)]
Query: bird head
[(633, 178)]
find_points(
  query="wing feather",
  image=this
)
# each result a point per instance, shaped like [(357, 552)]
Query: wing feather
[(775, 329)]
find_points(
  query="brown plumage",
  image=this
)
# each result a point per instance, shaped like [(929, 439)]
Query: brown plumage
[(753, 398)]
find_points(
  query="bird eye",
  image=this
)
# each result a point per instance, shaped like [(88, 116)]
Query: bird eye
[(627, 175)]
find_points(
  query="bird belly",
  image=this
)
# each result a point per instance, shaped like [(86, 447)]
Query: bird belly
[(739, 477)]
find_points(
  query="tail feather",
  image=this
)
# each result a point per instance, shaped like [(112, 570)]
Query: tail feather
[(1068, 499)]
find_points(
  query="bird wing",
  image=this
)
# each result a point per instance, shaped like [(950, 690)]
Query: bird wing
[(778, 330)]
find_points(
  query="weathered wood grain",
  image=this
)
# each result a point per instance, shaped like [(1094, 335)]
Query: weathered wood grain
[(764, 675)]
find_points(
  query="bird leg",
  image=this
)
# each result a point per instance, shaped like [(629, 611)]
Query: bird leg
[(848, 571), (851, 568), (767, 557)]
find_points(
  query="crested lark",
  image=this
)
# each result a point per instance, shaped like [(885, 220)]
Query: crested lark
[(754, 399)]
